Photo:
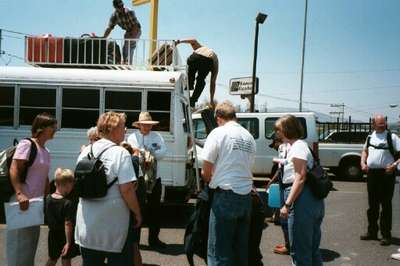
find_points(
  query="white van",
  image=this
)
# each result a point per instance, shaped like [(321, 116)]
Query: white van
[(76, 97), (261, 126)]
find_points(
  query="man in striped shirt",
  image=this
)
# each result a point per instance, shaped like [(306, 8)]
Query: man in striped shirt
[(126, 19)]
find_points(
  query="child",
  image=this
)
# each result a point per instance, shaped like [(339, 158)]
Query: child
[(60, 216)]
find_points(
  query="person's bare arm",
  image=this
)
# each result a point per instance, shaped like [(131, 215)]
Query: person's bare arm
[(16, 169), (206, 171), (300, 172), (213, 81), (128, 193), (364, 156), (68, 236), (193, 42), (107, 32)]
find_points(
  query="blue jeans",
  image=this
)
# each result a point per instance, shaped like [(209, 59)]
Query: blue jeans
[(305, 219), (284, 221), (229, 229)]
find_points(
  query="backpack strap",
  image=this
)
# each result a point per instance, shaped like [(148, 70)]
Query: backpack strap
[(390, 143), (33, 153), (112, 182), (368, 141), (98, 157)]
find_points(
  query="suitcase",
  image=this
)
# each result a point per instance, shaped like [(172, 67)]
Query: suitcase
[(163, 56), (90, 51), (44, 49)]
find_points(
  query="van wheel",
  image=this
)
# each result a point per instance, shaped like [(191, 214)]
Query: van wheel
[(351, 170)]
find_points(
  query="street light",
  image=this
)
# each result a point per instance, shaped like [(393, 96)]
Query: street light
[(259, 20)]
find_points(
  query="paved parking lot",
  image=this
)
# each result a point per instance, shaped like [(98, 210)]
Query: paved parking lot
[(345, 220)]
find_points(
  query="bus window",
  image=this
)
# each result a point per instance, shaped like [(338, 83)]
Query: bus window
[(80, 107), (159, 106), (127, 102), (6, 106), (34, 101)]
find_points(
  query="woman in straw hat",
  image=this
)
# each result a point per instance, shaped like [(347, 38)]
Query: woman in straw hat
[(147, 140)]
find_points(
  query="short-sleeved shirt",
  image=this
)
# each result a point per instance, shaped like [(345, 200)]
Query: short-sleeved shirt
[(102, 224), (37, 174), (299, 149), (59, 211), (152, 142), (126, 20), (231, 148), (380, 158)]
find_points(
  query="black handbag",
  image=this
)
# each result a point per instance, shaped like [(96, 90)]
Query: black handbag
[(318, 180)]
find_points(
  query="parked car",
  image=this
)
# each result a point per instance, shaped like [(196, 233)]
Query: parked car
[(340, 151)]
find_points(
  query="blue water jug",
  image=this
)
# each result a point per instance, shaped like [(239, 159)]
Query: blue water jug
[(274, 196)]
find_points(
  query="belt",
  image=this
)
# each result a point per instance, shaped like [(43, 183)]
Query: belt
[(286, 185)]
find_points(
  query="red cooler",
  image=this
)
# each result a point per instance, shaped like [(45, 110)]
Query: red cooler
[(44, 49)]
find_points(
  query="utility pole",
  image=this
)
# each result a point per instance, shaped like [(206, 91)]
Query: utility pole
[(153, 21), (340, 112), (1, 39), (302, 57)]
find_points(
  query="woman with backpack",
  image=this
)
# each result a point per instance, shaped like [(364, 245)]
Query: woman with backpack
[(29, 182), (103, 226), (303, 210)]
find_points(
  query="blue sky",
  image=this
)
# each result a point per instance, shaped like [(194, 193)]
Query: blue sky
[(352, 47)]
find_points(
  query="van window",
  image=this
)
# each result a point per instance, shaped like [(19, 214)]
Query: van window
[(199, 129), (34, 101), (128, 102), (270, 124), (159, 106), (251, 124), (7, 106), (80, 107)]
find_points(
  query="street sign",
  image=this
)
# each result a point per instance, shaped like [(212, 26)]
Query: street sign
[(242, 86)]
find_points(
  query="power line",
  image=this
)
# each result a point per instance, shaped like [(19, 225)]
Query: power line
[(15, 32), (13, 37), (12, 55)]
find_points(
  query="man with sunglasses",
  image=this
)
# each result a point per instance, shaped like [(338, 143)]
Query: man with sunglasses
[(126, 19)]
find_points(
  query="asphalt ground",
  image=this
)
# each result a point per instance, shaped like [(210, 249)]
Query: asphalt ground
[(345, 220)]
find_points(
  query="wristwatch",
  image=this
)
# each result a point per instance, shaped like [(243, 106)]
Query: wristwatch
[(288, 205)]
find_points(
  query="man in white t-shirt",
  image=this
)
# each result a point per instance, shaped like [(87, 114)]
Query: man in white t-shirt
[(144, 139), (378, 161), (228, 155)]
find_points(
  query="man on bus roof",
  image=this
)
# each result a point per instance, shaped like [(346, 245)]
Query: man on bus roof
[(202, 61), (126, 19)]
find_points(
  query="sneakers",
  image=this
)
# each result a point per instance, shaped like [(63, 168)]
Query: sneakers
[(281, 250), (369, 236)]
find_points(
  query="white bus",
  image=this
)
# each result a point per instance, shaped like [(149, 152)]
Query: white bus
[(76, 97)]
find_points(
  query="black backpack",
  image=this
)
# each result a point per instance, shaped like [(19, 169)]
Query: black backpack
[(90, 176), (6, 157), (318, 180)]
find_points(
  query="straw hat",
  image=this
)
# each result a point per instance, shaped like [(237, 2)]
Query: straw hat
[(145, 119)]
